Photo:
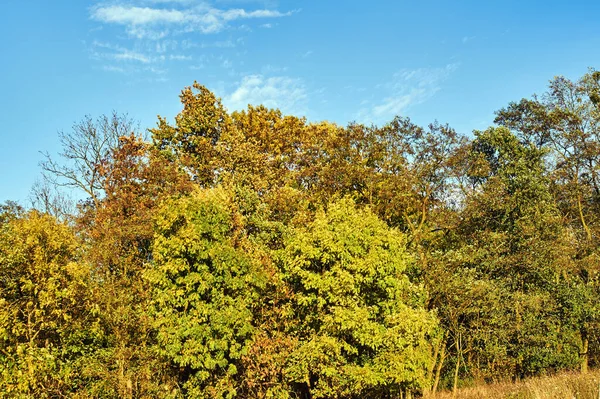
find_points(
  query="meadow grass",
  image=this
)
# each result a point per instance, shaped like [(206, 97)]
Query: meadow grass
[(560, 386)]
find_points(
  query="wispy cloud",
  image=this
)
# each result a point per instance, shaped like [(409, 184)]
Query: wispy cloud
[(408, 87), (227, 64), (157, 22), (126, 60), (127, 15), (112, 68), (220, 44), (131, 56), (467, 39), (107, 51), (155, 74), (283, 92), (179, 57), (169, 1), (159, 32), (269, 69)]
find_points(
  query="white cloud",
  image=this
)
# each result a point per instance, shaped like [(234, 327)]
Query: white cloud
[(269, 69), (227, 64), (406, 88), (152, 58), (168, 1), (131, 56), (124, 60), (163, 46), (131, 69), (162, 31), (137, 15), (179, 57), (112, 68), (219, 44), (231, 15), (107, 51), (283, 92), (143, 32), (154, 22)]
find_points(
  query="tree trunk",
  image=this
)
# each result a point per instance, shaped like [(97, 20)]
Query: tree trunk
[(584, 352), (440, 364), (431, 368), (455, 386), (458, 354)]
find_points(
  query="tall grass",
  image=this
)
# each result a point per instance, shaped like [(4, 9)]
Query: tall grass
[(560, 386)]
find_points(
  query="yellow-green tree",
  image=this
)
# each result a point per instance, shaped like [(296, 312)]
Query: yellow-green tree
[(44, 318), (119, 233), (204, 289), (197, 131), (361, 325)]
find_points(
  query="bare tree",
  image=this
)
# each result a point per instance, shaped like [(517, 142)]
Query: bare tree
[(47, 198), (84, 149)]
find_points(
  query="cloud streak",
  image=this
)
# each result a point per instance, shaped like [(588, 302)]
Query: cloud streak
[(125, 60), (155, 22), (408, 87), (283, 92), (161, 32), (137, 15), (108, 51)]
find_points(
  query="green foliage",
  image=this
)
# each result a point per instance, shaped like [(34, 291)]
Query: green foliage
[(257, 255), (42, 313), (500, 300), (565, 123), (204, 289), (361, 324), (198, 129)]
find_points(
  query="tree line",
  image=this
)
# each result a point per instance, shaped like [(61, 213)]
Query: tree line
[(253, 254)]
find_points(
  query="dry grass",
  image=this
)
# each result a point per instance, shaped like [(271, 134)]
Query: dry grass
[(561, 386)]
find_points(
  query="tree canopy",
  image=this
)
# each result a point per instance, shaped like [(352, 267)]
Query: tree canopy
[(252, 254)]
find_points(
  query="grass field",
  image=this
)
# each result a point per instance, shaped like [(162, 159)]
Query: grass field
[(561, 386)]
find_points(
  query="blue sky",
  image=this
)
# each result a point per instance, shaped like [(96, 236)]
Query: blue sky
[(452, 61)]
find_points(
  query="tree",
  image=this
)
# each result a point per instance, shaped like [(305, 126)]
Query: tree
[(10, 210), (565, 121), (204, 289), (119, 234), (498, 276), (361, 324), (197, 131), (44, 323), (84, 149), (48, 198)]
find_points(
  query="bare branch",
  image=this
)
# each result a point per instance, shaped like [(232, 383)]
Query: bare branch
[(85, 149)]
